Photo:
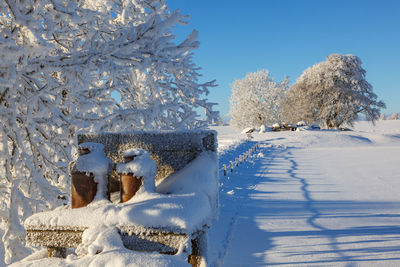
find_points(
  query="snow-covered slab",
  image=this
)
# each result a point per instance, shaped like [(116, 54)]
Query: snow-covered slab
[(133, 237), (175, 213), (112, 257), (149, 221)]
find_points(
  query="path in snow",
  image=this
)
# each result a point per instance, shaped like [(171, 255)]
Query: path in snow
[(310, 206)]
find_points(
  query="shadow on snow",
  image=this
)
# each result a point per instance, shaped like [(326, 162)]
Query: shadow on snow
[(239, 214)]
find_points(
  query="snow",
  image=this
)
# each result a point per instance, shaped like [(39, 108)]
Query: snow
[(307, 198), (247, 130), (203, 180), (228, 137), (276, 125), (191, 205), (141, 166), (312, 198), (114, 255), (95, 161)]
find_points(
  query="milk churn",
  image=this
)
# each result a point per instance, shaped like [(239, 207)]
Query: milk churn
[(130, 183), (84, 186)]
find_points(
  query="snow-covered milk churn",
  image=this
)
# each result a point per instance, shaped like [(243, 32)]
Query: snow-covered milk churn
[(89, 175), (136, 173)]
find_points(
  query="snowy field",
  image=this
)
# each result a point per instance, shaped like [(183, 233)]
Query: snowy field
[(323, 198)]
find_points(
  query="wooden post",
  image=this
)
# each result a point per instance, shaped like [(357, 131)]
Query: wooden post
[(56, 252), (199, 248)]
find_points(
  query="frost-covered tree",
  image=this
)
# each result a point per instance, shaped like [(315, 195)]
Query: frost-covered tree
[(332, 92), (256, 100), (60, 60), (34, 117), (155, 77), (394, 116)]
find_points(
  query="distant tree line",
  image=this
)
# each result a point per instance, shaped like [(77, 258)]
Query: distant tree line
[(330, 93), (394, 116)]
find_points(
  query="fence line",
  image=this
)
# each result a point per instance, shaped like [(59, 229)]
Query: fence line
[(240, 159)]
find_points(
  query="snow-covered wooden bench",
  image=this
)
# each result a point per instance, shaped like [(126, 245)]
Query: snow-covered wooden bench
[(173, 218)]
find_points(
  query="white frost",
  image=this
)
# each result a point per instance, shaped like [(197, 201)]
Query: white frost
[(256, 100), (141, 166)]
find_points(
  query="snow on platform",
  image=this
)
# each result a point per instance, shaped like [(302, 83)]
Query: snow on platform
[(168, 221), (185, 205), (115, 257)]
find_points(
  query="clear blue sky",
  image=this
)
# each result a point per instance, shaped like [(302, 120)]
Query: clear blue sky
[(288, 36)]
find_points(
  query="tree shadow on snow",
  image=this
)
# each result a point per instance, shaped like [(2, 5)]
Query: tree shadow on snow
[(248, 240)]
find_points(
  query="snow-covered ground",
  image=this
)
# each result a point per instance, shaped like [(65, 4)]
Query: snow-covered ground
[(323, 198)]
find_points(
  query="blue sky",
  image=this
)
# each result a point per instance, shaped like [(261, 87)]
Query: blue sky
[(288, 36)]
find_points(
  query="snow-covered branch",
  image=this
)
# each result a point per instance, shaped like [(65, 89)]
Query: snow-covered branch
[(256, 100)]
